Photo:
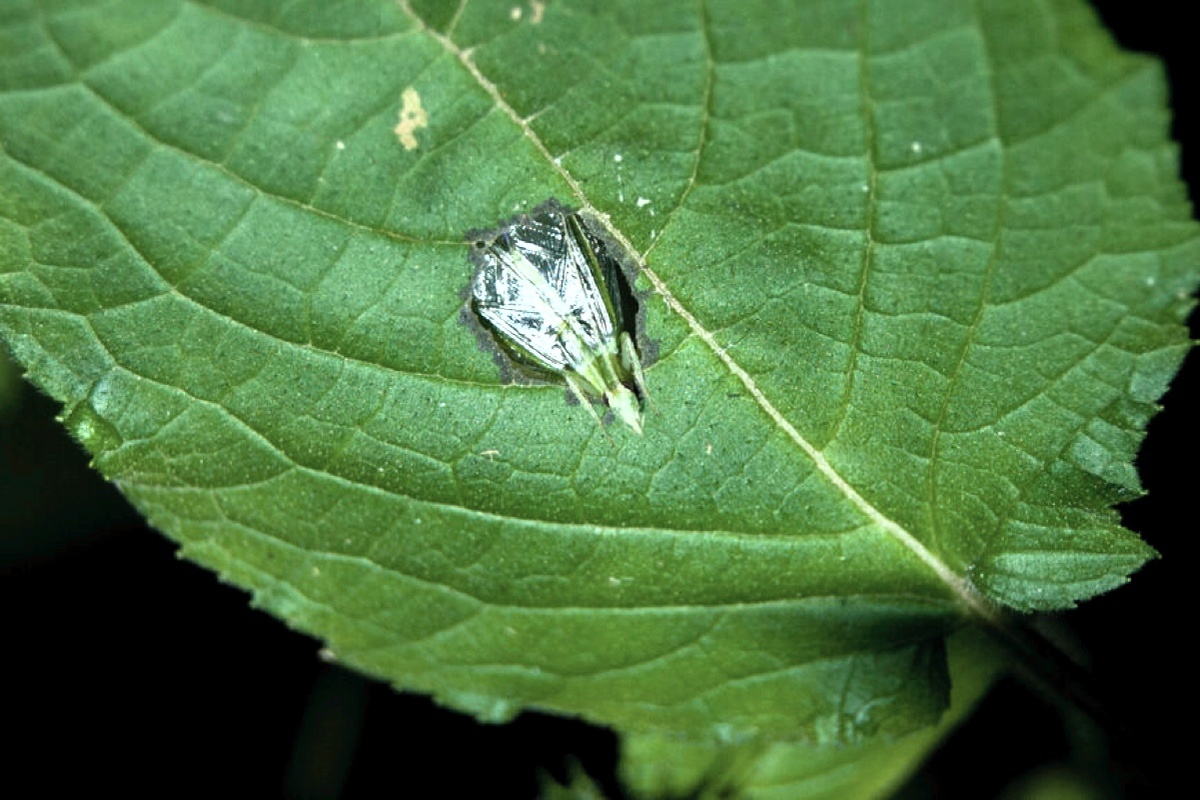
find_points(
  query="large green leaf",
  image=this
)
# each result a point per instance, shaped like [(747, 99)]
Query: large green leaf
[(916, 275)]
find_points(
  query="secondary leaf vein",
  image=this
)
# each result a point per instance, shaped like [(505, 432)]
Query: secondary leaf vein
[(968, 596)]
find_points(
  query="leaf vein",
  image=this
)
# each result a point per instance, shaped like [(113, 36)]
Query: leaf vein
[(966, 593)]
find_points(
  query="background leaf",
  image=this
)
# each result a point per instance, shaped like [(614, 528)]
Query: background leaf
[(263, 349)]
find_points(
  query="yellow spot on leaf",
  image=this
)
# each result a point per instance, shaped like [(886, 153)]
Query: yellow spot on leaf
[(412, 117), (538, 8)]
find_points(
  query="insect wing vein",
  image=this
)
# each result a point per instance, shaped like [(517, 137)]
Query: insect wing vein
[(588, 305), (553, 251), (510, 294)]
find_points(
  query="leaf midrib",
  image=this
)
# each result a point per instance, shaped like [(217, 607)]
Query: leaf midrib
[(967, 595)]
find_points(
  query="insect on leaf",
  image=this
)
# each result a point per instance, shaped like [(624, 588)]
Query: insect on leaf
[(544, 287)]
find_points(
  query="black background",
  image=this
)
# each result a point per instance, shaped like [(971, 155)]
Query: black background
[(127, 669)]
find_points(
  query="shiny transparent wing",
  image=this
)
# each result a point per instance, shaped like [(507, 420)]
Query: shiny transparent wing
[(512, 304), (547, 243), (536, 287), (579, 281), (541, 239)]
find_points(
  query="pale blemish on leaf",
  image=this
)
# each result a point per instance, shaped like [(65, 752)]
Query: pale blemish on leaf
[(538, 8), (412, 118)]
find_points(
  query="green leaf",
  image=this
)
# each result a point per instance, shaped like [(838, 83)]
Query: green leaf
[(657, 765), (916, 275)]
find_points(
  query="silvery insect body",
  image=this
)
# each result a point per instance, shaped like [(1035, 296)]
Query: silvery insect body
[(544, 287)]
